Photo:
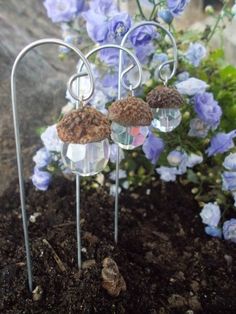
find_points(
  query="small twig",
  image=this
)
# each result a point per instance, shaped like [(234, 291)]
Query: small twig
[(55, 256), (141, 10), (69, 223)]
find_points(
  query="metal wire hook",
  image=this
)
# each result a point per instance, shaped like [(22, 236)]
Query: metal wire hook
[(120, 75), (74, 77), (17, 134), (172, 39)]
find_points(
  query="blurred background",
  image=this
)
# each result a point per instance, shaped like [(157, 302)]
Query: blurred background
[(42, 76)]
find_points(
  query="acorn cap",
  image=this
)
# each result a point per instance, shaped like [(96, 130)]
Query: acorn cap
[(131, 111), (164, 97), (82, 126)]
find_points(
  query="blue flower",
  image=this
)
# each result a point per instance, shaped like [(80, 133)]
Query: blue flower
[(213, 232), (230, 162), (229, 181), (113, 153), (195, 53), (207, 109), (41, 179), (182, 76), (221, 143), (97, 26), (191, 86), (177, 7), (211, 214), (143, 52), (50, 139), (119, 25), (103, 7), (153, 147), (143, 35), (110, 56), (167, 174), (166, 16), (63, 10), (42, 158), (198, 128), (229, 230)]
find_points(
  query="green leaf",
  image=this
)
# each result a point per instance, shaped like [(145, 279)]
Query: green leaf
[(192, 177)]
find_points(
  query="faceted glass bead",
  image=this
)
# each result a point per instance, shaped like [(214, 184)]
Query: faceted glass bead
[(86, 159), (128, 137), (166, 120)]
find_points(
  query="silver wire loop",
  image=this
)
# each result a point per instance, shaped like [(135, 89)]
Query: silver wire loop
[(121, 75), (74, 77), (175, 51)]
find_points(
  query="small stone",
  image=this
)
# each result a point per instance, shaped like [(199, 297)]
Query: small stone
[(195, 286), (176, 301), (37, 293), (34, 217), (195, 304), (229, 261), (92, 239), (88, 264), (112, 281)]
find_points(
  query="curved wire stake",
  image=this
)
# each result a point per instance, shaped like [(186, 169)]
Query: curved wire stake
[(120, 81), (164, 79), (17, 136)]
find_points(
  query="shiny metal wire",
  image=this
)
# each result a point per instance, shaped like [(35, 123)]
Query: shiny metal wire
[(163, 78), (17, 135), (120, 82)]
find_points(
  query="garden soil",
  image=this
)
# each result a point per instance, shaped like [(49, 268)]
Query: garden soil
[(168, 263)]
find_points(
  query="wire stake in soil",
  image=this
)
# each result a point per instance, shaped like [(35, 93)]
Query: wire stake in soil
[(17, 134)]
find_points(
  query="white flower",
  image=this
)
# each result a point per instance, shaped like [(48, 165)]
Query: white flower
[(210, 214), (113, 190), (230, 162), (191, 86), (50, 139), (67, 108), (193, 160), (122, 175)]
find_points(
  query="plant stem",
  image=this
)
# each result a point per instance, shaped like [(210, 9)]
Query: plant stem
[(140, 10), (153, 12), (216, 24)]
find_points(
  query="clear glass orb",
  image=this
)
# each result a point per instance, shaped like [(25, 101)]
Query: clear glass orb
[(128, 137), (86, 159), (166, 120)]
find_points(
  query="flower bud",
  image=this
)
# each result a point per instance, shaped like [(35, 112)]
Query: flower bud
[(209, 9), (194, 190), (186, 115)]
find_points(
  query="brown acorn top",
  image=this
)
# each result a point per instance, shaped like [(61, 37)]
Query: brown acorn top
[(164, 97), (83, 126), (131, 111)]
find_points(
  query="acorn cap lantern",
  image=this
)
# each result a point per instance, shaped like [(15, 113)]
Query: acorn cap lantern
[(164, 97), (130, 111), (83, 126)]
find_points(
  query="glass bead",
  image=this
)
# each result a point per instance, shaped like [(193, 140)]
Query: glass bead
[(128, 137), (86, 159), (166, 120)]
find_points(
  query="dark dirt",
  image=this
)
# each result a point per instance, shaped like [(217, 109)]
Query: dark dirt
[(168, 263)]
